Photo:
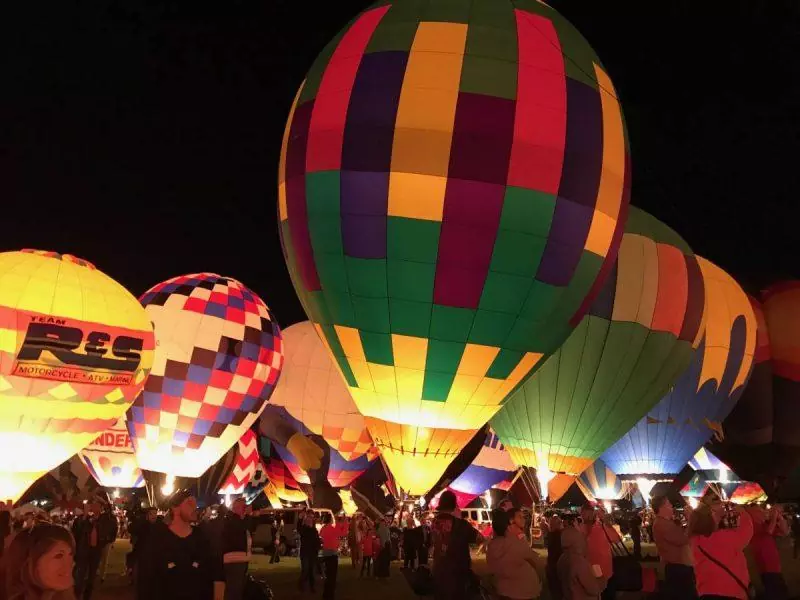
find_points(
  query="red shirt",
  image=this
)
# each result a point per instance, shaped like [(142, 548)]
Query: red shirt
[(369, 545), (765, 551)]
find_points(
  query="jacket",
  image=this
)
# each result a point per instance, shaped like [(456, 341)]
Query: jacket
[(510, 561), (574, 569), (727, 546), (236, 540), (672, 542)]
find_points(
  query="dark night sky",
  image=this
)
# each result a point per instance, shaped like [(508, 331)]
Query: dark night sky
[(146, 139)]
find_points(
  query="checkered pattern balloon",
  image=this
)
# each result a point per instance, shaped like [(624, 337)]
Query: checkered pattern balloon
[(75, 349), (218, 357), (453, 185)]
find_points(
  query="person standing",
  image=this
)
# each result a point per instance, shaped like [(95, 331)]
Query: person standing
[(236, 550), (38, 565), (309, 548), (767, 526), (720, 565), (674, 551), (411, 544), (636, 535), (177, 563), (555, 528), (383, 558), (452, 564), (516, 567), (330, 536), (89, 542), (369, 543), (599, 538), (109, 528), (580, 579)]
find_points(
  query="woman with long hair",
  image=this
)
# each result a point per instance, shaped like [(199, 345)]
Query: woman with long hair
[(719, 563), (38, 565)]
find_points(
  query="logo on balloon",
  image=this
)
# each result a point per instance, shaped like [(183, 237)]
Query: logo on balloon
[(63, 350)]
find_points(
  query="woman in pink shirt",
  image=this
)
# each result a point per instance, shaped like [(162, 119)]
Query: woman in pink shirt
[(768, 525), (719, 563), (330, 536)]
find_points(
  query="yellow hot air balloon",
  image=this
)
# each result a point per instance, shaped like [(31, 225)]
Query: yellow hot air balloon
[(111, 460), (75, 350)]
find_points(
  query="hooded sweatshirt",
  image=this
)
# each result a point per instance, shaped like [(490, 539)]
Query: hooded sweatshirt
[(574, 570), (509, 560), (727, 546)]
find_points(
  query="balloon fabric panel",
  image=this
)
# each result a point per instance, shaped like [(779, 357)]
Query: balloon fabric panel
[(492, 466), (598, 482), (111, 460), (665, 440), (454, 179), (311, 389), (218, 358), (75, 350), (636, 340), (244, 466)]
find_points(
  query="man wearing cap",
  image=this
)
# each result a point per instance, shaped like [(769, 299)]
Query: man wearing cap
[(177, 563)]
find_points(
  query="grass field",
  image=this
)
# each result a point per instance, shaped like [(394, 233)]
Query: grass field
[(283, 577)]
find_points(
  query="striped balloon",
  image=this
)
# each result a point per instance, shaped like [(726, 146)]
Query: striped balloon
[(244, 466), (492, 467)]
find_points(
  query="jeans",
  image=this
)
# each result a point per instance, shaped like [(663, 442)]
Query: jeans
[(86, 571), (235, 577), (409, 557), (366, 563), (331, 570), (774, 586), (308, 569), (679, 583)]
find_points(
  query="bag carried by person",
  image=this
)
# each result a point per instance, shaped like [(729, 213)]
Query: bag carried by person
[(629, 575), (255, 589), (749, 590)]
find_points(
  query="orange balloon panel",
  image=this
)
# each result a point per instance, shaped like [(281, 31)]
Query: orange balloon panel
[(111, 460), (75, 350), (312, 390)]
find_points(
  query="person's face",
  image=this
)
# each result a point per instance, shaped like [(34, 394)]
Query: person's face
[(518, 519), (588, 515), (666, 511), (239, 507), (151, 516), (54, 568), (188, 510)]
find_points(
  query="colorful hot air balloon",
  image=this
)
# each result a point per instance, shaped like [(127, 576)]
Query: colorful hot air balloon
[(696, 488), (662, 443), (313, 392), (341, 472), (492, 467), (636, 340), (598, 482), (282, 484), (453, 185), (244, 466), (75, 349), (748, 493), (762, 434), (217, 360), (111, 460)]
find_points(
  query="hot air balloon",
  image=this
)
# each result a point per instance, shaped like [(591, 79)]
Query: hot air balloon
[(663, 442), (111, 460), (749, 493), (762, 433), (217, 360), (341, 472), (75, 349), (636, 340), (313, 392), (282, 484), (598, 482), (453, 186), (244, 467), (492, 467)]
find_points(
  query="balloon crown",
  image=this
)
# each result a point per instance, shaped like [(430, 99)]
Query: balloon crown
[(65, 257)]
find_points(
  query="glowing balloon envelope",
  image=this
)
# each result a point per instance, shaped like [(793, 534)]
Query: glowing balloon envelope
[(244, 467), (493, 466), (453, 184), (111, 460), (218, 357), (664, 441), (75, 350), (312, 391), (628, 350)]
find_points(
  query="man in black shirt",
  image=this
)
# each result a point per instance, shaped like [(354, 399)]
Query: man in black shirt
[(177, 562), (452, 563), (309, 548)]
